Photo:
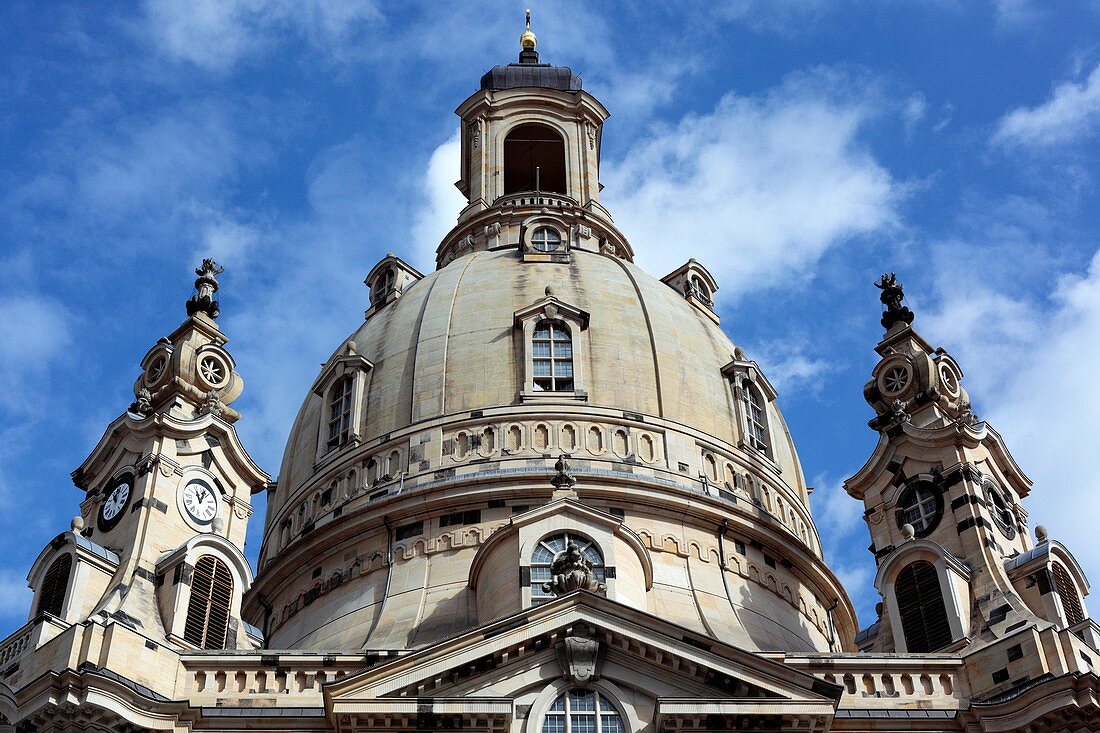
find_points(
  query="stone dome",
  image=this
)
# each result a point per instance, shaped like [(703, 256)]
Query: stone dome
[(448, 347), (539, 397)]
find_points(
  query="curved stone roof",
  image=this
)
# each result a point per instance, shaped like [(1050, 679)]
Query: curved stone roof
[(543, 76), (448, 346)]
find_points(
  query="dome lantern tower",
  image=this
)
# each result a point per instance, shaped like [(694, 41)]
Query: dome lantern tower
[(530, 137)]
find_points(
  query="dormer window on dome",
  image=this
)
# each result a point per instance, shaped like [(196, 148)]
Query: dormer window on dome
[(552, 350), (696, 284), (341, 385), (388, 281), (752, 392)]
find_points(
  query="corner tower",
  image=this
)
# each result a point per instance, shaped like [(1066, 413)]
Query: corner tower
[(957, 569)]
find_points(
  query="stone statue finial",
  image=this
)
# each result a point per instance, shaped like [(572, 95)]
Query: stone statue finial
[(892, 293), (572, 571), (563, 479), (908, 531), (206, 285), (77, 525), (213, 404), (143, 405), (1041, 535)]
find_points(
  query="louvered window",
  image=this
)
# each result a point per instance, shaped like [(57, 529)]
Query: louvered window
[(920, 603), (208, 611), (1071, 602), (51, 597)]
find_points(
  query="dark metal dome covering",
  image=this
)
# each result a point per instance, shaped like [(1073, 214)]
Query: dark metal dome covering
[(530, 73)]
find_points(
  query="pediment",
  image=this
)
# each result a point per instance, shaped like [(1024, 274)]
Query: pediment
[(484, 675)]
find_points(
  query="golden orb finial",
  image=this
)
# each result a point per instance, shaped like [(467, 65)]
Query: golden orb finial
[(527, 40)]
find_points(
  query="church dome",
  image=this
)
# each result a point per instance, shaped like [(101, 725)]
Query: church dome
[(539, 397)]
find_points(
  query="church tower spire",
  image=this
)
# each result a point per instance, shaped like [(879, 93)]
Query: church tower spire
[(157, 548), (942, 496)]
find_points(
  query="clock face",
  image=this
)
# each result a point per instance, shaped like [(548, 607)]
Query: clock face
[(118, 496), (200, 501)]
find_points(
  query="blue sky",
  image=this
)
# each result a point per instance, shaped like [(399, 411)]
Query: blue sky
[(797, 148)]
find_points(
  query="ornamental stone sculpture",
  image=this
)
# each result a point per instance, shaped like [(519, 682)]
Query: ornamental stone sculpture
[(572, 571), (579, 655), (206, 285), (563, 479), (892, 293)]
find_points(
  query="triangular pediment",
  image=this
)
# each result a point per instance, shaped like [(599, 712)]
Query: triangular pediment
[(490, 670)]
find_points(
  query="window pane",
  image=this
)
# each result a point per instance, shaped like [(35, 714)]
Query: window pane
[(542, 367), (542, 331), (563, 369), (540, 348), (582, 700), (559, 704), (611, 724), (542, 555), (554, 724), (560, 334), (563, 349)]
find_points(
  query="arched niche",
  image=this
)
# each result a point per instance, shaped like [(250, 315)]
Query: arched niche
[(534, 159)]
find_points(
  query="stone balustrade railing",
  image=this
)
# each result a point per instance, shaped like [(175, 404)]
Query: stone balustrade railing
[(264, 679), (536, 198), (890, 681), (29, 637)]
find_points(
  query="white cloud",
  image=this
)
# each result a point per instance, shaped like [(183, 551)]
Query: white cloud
[(15, 596), (839, 519), (35, 331), (1031, 372), (759, 188), (913, 113), (443, 202), (790, 364), (215, 34), (1071, 113), (1015, 15)]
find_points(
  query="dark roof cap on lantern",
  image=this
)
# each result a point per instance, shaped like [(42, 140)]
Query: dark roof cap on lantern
[(529, 72)]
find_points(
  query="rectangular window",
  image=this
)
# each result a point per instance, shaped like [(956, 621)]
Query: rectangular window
[(339, 407), (406, 531), (552, 358), (470, 516)]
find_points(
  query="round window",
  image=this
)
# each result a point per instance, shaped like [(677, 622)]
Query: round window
[(156, 370), (1001, 511), (949, 380), (545, 239), (213, 371), (895, 379), (921, 506)]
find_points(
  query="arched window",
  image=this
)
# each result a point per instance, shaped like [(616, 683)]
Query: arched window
[(207, 623), (1001, 510), (1067, 592), (757, 419), (582, 711), (382, 286), (51, 596), (339, 413), (548, 550), (534, 160), (552, 357), (921, 607)]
